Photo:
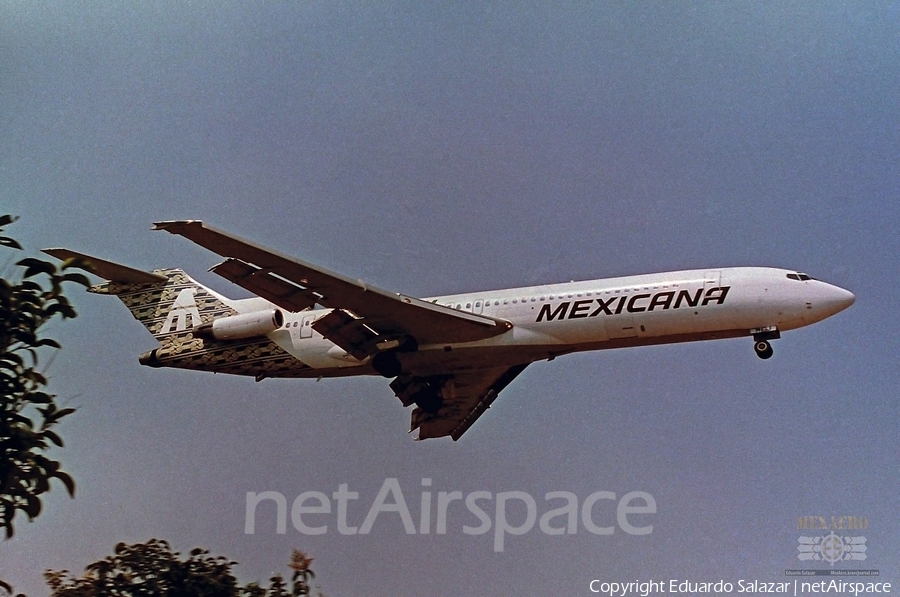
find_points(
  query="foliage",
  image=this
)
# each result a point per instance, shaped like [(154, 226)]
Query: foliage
[(28, 413), (300, 563), (152, 569)]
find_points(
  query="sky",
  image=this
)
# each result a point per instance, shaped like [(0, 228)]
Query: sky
[(440, 148)]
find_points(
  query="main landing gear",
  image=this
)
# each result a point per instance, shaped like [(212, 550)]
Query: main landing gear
[(424, 392), (386, 362), (761, 337)]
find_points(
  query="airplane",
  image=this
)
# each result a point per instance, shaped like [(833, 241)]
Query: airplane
[(450, 356)]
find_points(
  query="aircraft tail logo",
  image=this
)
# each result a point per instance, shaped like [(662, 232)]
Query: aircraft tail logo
[(170, 308), (185, 306)]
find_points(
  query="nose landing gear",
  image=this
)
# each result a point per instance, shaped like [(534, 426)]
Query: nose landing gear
[(761, 337), (763, 349)]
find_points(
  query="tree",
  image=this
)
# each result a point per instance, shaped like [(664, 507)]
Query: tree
[(152, 569), (27, 412), (300, 563)]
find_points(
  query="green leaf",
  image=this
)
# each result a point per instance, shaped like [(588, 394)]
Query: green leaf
[(62, 413), (36, 266), (53, 438), (32, 507), (77, 278), (67, 481), (65, 310), (40, 398), (11, 243)]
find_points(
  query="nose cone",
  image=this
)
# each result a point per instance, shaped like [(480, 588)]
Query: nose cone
[(843, 298), (834, 299)]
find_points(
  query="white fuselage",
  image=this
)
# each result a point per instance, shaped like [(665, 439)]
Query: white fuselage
[(556, 319)]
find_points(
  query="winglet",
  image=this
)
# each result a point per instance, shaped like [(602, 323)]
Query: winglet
[(114, 272)]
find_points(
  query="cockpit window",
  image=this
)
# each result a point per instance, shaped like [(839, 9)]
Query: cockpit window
[(799, 276)]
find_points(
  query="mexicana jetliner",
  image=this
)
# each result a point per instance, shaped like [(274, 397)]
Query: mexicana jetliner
[(450, 356)]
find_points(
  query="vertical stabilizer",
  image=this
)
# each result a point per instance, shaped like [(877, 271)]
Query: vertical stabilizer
[(170, 308)]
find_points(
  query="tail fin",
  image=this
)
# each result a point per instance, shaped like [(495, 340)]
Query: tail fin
[(168, 302)]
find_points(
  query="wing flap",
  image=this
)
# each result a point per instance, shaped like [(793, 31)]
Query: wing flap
[(348, 332), (466, 397), (269, 286), (389, 313)]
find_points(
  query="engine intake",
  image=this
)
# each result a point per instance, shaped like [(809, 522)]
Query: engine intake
[(245, 325)]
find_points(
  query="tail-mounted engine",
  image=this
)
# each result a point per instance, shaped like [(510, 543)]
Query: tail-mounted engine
[(245, 325)]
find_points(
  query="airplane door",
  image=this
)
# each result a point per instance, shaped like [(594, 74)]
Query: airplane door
[(479, 306), (306, 326)]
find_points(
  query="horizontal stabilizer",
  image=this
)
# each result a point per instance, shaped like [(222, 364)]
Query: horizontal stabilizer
[(114, 272)]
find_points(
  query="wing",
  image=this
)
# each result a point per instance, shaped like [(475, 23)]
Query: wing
[(466, 396), (364, 316)]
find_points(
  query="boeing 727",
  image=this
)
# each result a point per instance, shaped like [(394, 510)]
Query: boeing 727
[(450, 356)]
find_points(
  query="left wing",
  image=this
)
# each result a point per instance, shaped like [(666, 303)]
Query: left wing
[(364, 316), (466, 396)]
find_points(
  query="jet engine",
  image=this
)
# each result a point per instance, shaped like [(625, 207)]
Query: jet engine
[(245, 325)]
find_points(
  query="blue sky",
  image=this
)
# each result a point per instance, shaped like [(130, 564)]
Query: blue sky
[(433, 150)]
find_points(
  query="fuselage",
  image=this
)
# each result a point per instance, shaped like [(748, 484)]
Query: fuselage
[(555, 319)]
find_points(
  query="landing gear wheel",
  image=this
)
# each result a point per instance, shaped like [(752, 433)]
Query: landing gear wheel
[(387, 364), (763, 349)]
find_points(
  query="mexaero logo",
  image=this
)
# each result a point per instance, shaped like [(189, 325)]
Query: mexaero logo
[(184, 306), (635, 303)]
